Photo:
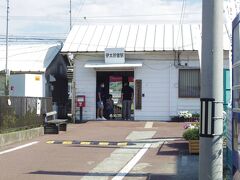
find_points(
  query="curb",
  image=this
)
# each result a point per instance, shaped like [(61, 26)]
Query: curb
[(18, 136)]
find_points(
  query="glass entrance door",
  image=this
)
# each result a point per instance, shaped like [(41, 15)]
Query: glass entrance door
[(115, 87)]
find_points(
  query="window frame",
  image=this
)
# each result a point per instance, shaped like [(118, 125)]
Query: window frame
[(199, 81)]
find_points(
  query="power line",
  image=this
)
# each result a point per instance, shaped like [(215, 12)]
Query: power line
[(12, 39), (40, 36), (30, 37), (34, 51), (53, 18), (180, 21), (142, 15), (80, 9), (18, 47)]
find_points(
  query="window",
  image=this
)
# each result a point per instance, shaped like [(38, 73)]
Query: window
[(189, 83)]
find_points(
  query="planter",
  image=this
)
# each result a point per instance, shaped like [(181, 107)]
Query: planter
[(193, 146)]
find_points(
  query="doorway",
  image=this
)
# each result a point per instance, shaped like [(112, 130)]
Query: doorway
[(113, 81)]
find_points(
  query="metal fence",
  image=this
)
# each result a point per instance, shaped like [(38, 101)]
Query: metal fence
[(21, 112)]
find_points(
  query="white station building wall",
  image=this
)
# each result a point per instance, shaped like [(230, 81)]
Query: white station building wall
[(159, 86), (160, 89), (155, 76), (86, 85)]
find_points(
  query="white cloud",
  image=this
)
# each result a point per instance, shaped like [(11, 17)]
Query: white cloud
[(163, 10), (51, 17)]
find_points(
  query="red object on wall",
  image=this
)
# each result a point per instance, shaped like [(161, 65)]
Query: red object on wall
[(81, 101), (119, 79), (115, 78)]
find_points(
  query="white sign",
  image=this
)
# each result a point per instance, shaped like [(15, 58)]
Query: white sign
[(38, 106), (114, 56)]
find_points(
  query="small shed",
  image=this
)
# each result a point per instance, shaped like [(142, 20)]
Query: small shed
[(27, 64)]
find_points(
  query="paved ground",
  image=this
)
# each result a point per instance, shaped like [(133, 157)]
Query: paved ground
[(155, 151)]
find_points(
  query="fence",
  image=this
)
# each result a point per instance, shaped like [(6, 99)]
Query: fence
[(21, 112)]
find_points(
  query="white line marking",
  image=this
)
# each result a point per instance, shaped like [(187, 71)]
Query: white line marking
[(148, 125), (125, 170), (19, 147)]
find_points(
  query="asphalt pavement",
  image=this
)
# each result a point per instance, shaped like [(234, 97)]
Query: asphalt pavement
[(103, 150)]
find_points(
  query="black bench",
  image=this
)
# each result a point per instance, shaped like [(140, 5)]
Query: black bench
[(54, 125)]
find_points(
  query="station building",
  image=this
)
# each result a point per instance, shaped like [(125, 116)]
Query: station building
[(160, 61)]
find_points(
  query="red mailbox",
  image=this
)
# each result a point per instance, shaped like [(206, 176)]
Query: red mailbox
[(80, 101)]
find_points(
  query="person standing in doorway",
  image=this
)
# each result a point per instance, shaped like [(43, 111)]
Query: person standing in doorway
[(100, 101), (126, 97)]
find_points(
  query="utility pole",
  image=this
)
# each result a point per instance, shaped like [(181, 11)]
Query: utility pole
[(211, 125), (7, 72), (70, 14)]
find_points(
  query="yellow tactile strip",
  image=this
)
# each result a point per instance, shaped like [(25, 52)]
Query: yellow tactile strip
[(94, 143)]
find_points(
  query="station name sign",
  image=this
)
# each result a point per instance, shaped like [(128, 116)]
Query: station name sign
[(114, 56)]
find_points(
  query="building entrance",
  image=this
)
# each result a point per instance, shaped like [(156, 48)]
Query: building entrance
[(113, 84)]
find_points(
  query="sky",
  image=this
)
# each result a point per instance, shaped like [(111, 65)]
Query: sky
[(50, 18)]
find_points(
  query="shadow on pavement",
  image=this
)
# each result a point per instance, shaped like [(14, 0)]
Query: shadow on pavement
[(186, 165), (170, 137), (97, 174), (168, 177), (148, 176), (173, 148)]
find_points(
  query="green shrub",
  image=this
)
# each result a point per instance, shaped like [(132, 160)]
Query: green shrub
[(9, 120), (196, 115), (191, 134)]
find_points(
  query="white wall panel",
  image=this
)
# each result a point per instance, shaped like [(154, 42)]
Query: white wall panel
[(34, 85), (155, 87), (86, 85)]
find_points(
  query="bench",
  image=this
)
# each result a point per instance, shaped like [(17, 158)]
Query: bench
[(54, 125)]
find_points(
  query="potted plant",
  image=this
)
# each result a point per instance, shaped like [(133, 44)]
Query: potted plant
[(186, 116), (192, 136)]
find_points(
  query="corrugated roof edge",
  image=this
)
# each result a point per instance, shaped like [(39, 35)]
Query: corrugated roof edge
[(72, 43)]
